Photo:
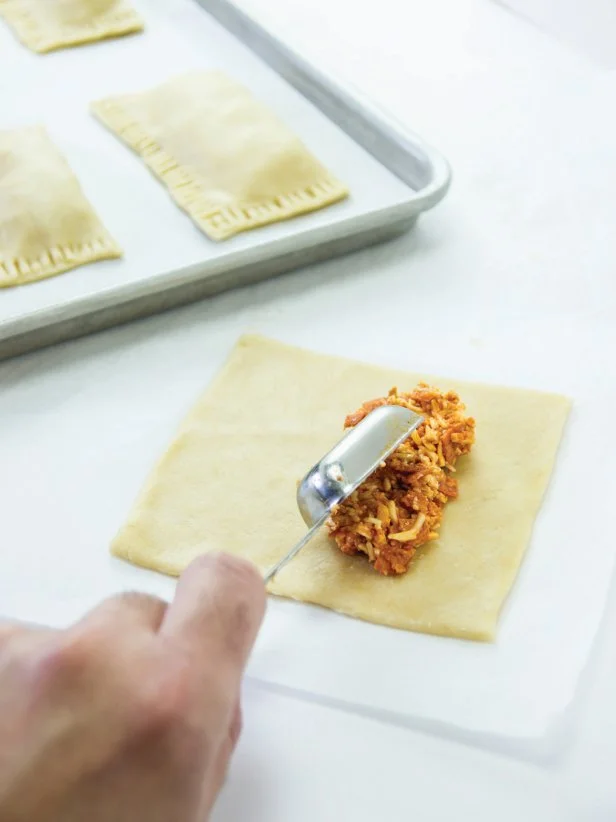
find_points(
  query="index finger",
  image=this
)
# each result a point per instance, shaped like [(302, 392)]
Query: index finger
[(217, 612)]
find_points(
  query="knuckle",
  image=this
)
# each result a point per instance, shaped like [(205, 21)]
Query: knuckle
[(66, 658), (164, 701), (11, 654), (7, 634), (145, 604), (7, 642)]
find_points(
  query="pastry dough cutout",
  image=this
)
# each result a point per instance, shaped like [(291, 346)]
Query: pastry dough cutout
[(47, 25), (225, 157), (228, 483), (47, 226)]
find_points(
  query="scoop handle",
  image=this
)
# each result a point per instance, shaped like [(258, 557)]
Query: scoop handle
[(294, 551)]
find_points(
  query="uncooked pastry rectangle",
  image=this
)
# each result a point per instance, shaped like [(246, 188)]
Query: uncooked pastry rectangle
[(47, 25), (225, 158), (228, 484), (47, 226)]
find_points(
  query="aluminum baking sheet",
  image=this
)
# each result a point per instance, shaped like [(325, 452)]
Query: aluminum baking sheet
[(168, 261)]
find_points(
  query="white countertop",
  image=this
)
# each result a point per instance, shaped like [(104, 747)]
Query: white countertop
[(519, 267)]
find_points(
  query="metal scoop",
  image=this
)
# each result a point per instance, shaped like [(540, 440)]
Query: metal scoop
[(346, 466)]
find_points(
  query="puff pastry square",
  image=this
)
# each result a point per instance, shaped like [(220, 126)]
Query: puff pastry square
[(47, 25), (225, 157), (228, 483), (47, 226)]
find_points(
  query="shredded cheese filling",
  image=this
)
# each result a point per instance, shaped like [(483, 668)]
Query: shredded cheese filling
[(400, 506)]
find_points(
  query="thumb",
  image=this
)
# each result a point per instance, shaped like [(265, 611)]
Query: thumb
[(216, 615)]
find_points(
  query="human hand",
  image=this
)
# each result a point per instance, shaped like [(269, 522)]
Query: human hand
[(133, 713)]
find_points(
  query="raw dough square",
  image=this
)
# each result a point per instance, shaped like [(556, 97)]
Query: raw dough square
[(47, 226), (228, 483), (47, 25), (225, 157)]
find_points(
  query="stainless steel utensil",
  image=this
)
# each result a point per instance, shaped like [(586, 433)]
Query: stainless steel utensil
[(346, 466)]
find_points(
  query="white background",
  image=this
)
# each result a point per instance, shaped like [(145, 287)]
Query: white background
[(519, 265)]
